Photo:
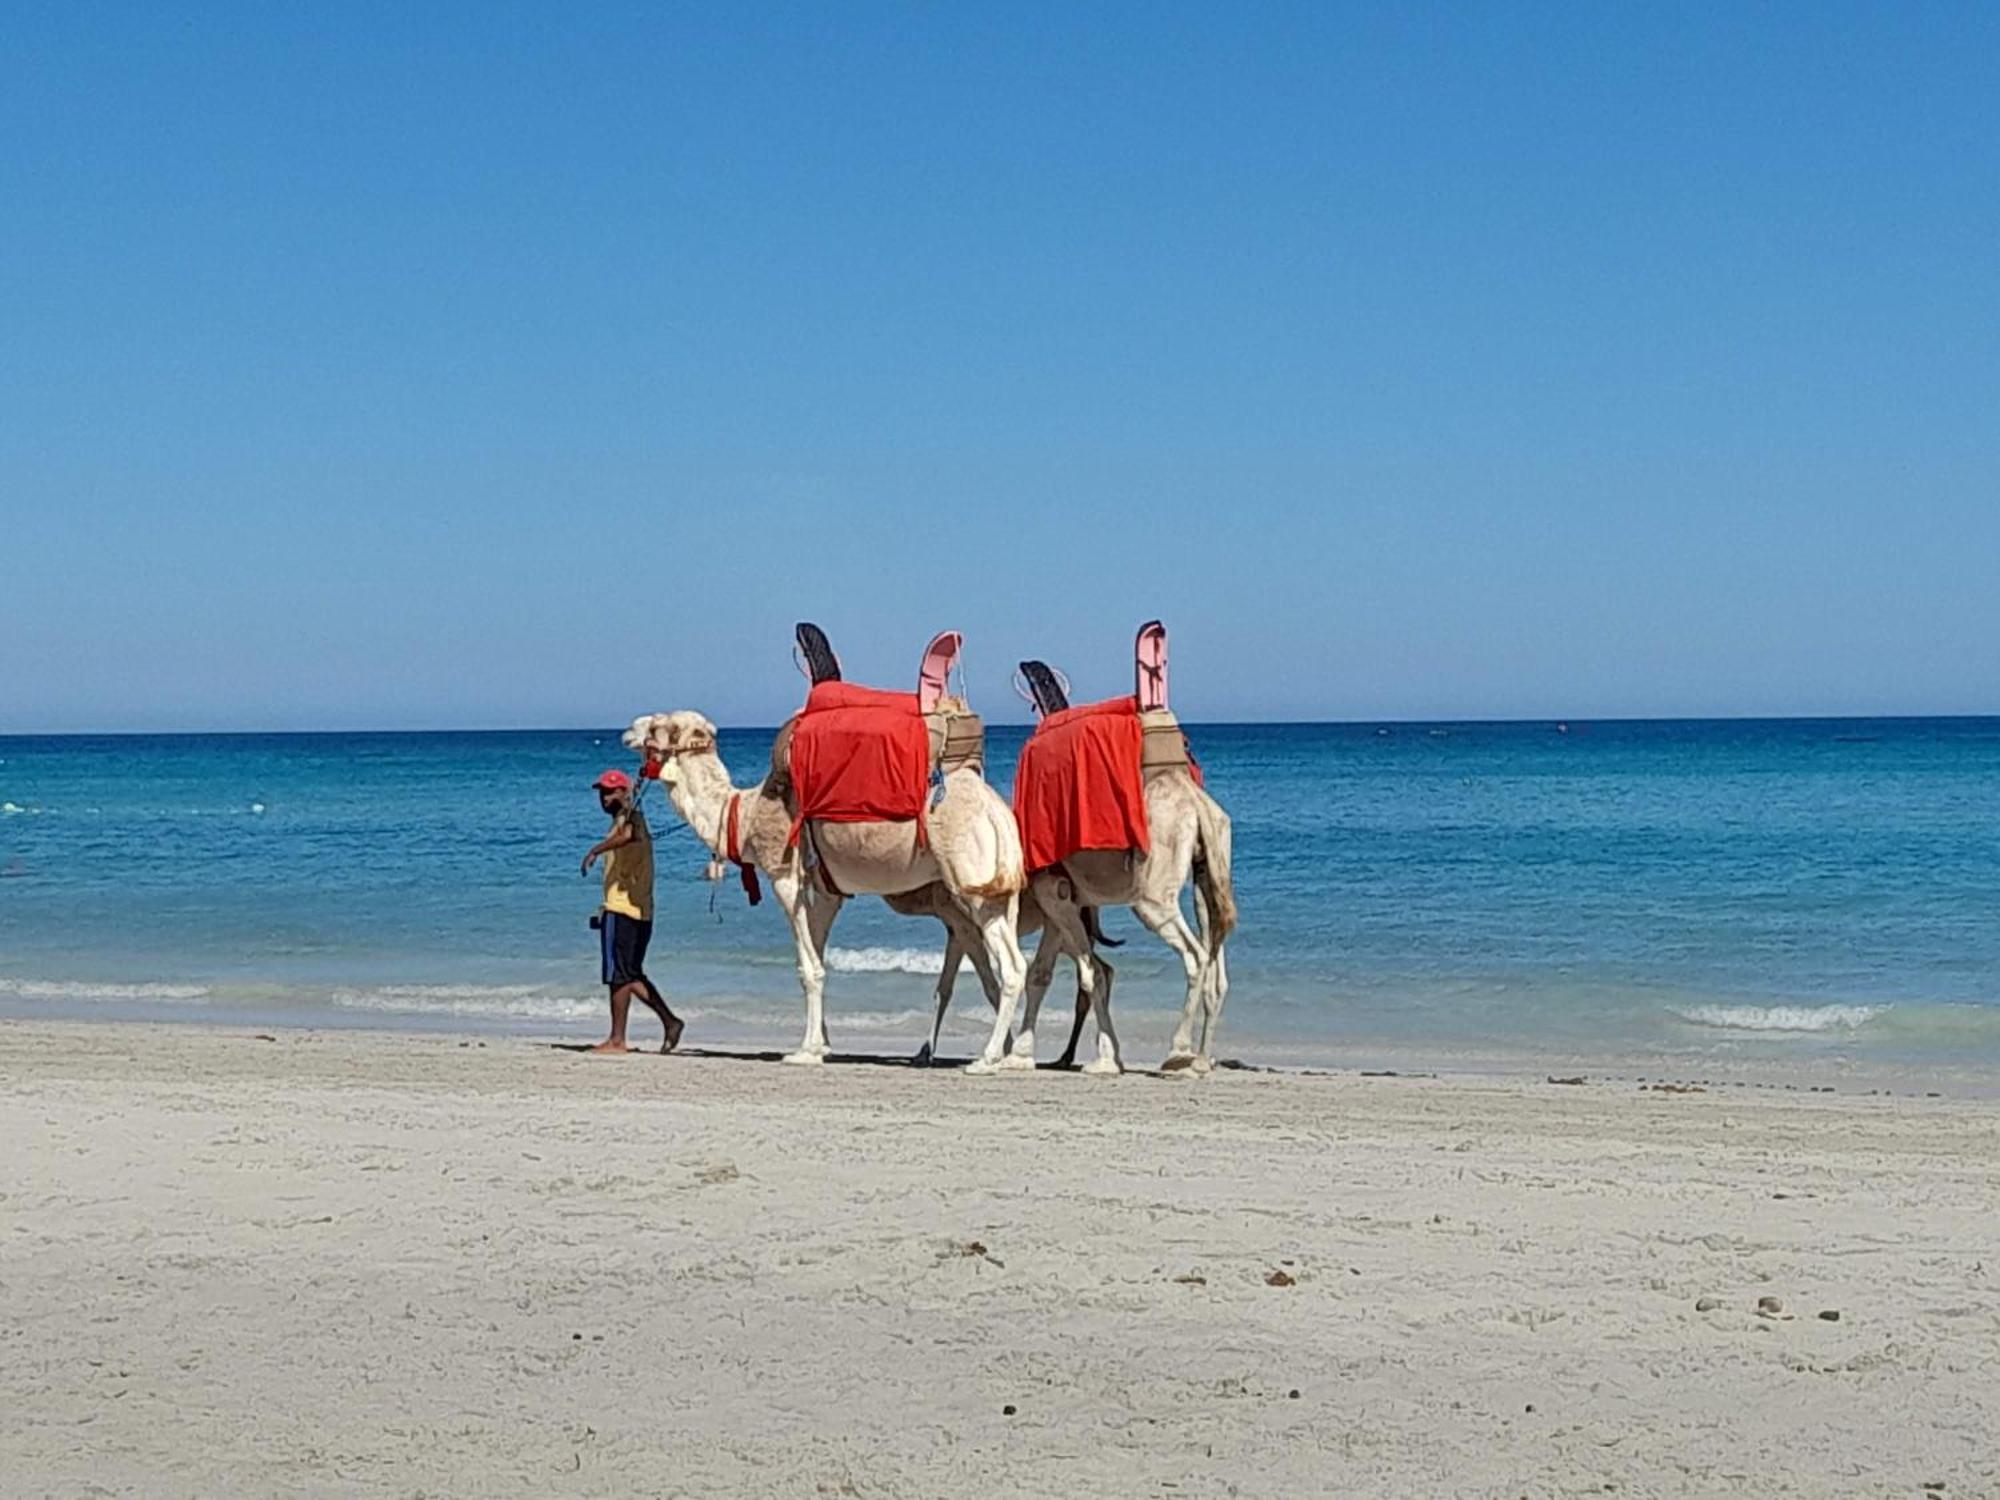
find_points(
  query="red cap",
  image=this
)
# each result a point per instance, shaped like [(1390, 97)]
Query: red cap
[(615, 781)]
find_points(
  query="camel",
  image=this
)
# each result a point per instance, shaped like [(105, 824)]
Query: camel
[(1191, 840), (973, 853), (1190, 836)]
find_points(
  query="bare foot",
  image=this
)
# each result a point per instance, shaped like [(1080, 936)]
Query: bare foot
[(674, 1029), (610, 1049)]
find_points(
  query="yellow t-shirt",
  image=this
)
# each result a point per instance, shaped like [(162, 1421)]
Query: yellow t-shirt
[(628, 872)]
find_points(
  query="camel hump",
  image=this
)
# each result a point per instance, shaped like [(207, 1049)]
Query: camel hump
[(1149, 654), (814, 653)]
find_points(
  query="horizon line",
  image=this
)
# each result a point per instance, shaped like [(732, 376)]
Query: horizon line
[(1567, 721)]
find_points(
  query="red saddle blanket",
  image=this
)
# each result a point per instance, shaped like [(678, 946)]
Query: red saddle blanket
[(1078, 784), (860, 755)]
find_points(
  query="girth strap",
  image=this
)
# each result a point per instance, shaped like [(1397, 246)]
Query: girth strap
[(732, 848)]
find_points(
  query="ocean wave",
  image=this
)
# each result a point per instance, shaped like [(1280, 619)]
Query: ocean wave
[(888, 960), (531, 1003), (66, 989), (838, 1020), (1796, 1018), (522, 1002)]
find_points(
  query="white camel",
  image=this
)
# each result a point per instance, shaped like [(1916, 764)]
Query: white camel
[(973, 852)]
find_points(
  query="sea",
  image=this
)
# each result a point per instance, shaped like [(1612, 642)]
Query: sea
[(1679, 895)]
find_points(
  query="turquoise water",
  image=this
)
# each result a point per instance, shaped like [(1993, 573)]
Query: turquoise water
[(1740, 889)]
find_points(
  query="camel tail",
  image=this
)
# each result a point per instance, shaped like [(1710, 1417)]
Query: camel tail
[(1095, 929), (1211, 872)]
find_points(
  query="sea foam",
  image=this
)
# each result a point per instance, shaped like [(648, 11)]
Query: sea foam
[(1798, 1018), (887, 960), (66, 989), (521, 1002)]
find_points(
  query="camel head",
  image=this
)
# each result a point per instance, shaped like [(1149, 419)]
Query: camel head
[(663, 738)]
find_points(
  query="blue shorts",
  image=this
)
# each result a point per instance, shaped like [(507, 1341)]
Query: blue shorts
[(623, 941)]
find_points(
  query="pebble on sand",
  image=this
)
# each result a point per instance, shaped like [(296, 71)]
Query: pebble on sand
[(1707, 1304), (1829, 1315), (1770, 1305), (1279, 1278)]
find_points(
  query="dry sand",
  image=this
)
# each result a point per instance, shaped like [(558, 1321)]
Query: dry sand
[(345, 1264)]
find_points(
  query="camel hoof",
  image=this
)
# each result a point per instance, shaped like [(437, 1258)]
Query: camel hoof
[(1018, 1062), (1203, 1064), (1104, 1067), (805, 1059), (981, 1067)]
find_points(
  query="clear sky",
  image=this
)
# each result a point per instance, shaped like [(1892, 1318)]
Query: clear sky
[(483, 365)]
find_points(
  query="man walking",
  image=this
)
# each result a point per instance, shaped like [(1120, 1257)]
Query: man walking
[(625, 917)]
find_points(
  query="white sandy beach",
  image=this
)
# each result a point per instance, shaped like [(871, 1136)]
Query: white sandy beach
[(359, 1264)]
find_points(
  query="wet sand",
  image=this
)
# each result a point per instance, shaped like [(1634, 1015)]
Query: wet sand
[(340, 1263)]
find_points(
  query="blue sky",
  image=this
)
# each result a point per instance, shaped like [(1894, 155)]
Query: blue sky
[(386, 366)]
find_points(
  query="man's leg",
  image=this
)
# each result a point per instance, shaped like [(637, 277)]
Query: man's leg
[(621, 1008), (639, 937), (609, 938), (670, 1023)]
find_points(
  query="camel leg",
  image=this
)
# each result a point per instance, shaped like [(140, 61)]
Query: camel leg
[(1165, 920), (821, 909), (1092, 981), (793, 895), (1218, 991), (1109, 1058), (962, 941), (947, 979), (996, 926), (1042, 971), (1215, 984), (1106, 974), (1021, 1048)]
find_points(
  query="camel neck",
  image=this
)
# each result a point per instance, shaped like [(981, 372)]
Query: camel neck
[(701, 794)]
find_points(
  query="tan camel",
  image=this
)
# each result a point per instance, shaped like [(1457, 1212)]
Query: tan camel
[(1191, 840), (973, 852), (1190, 837)]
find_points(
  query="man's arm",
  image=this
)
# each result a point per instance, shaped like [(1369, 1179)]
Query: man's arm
[(622, 833)]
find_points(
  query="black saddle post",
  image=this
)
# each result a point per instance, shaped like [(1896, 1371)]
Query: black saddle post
[(821, 665), (1046, 687)]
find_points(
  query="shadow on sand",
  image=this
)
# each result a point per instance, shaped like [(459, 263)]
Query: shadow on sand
[(737, 1054), (874, 1060)]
